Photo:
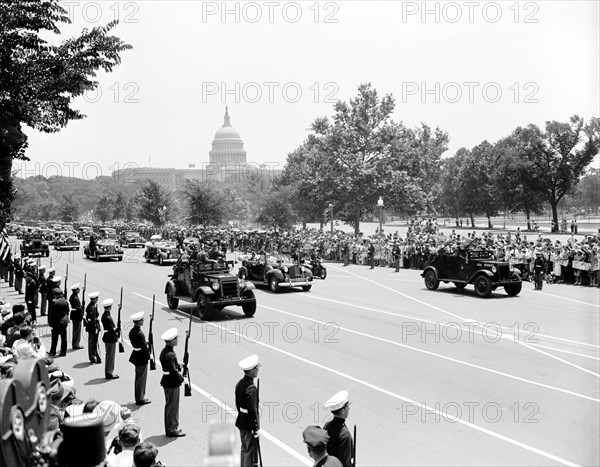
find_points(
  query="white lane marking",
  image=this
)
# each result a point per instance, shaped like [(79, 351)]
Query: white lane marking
[(563, 298), (305, 460), (394, 395), (444, 357), (432, 321), (564, 351), (585, 370)]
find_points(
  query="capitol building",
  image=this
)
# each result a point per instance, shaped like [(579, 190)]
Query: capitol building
[(226, 162)]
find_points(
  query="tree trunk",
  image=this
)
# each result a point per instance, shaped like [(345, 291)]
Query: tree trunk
[(472, 220), (554, 206), (527, 214), (357, 223), (489, 218)]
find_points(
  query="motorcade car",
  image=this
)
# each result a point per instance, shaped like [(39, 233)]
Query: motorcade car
[(210, 284), (132, 239), (103, 248), (108, 232), (84, 233), (66, 240), (471, 265), (275, 272), (36, 243), (161, 251)]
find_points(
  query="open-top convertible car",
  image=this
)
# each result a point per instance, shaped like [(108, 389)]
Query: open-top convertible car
[(210, 284), (161, 251), (132, 239), (277, 273), (66, 240), (36, 243), (471, 266), (103, 248), (85, 233)]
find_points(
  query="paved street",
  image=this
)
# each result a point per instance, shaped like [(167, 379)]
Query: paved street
[(435, 377)]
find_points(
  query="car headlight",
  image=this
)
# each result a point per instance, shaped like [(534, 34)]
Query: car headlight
[(494, 269), (241, 283), (285, 269), (215, 285)]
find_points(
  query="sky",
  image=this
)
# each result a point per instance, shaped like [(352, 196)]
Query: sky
[(476, 69)]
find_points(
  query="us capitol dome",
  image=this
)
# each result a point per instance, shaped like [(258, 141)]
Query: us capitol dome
[(227, 147)]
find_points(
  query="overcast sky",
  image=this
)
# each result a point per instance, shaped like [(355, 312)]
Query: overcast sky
[(475, 69)]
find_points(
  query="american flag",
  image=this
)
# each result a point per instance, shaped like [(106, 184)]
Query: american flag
[(4, 245)]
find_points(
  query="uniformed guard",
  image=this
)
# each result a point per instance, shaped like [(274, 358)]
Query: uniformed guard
[(93, 328), (110, 339), (50, 289), (171, 383), (76, 316), (18, 274), (140, 356), (538, 269), (31, 291), (58, 320), (396, 253), (340, 439), (42, 290), (246, 402), (316, 439)]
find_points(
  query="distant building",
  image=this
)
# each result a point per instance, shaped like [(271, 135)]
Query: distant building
[(227, 161)]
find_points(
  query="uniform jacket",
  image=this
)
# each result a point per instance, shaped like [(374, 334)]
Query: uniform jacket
[(42, 282), (328, 461), (340, 441), (30, 288), (140, 354), (91, 315), (76, 308), (60, 313), (110, 330), (246, 402), (168, 361)]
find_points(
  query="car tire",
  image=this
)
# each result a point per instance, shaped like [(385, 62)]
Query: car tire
[(204, 306), (147, 257), (513, 289), (249, 308), (306, 288), (274, 284), (171, 300), (323, 274), (483, 286), (431, 280), (460, 285)]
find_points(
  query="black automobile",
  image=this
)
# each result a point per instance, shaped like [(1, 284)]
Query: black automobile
[(210, 284), (469, 265), (132, 239), (36, 243), (276, 273)]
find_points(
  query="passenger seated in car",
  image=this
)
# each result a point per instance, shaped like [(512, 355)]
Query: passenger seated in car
[(214, 253)]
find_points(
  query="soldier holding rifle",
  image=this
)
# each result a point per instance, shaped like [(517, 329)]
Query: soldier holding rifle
[(246, 402), (316, 440), (171, 383), (76, 316), (110, 338), (92, 326), (139, 357), (340, 439)]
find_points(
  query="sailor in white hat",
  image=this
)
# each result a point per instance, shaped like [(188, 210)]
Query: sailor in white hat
[(110, 339), (43, 290), (246, 402), (76, 316), (340, 440), (140, 356), (171, 382), (93, 327)]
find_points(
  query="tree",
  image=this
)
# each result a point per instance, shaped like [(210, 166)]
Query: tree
[(120, 207), (203, 203), (154, 203), (589, 190), (40, 80), (104, 208), (68, 209), (276, 211)]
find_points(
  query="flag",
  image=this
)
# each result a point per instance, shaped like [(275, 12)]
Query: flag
[(4, 245)]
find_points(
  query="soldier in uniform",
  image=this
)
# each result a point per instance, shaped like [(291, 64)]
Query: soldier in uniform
[(18, 274), (246, 402), (59, 321), (31, 291), (346, 253), (371, 254), (110, 339), (171, 383), (93, 328), (538, 269), (140, 356), (396, 253), (50, 289), (76, 316), (340, 442), (316, 439), (42, 289)]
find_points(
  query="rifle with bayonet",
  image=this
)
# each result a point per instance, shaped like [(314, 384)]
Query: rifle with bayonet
[(354, 449), (186, 360), (83, 301), (121, 348), (257, 436), (151, 339), (66, 279)]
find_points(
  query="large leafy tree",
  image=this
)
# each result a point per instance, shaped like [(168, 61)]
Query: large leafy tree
[(276, 211), (104, 208), (204, 205), (154, 203), (68, 209), (39, 80)]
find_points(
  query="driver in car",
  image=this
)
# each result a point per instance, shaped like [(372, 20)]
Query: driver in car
[(214, 253)]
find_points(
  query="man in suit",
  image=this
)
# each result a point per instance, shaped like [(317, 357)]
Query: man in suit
[(171, 383), (76, 316), (140, 356), (246, 402)]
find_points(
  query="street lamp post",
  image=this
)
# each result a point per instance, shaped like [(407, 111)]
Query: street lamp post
[(380, 204)]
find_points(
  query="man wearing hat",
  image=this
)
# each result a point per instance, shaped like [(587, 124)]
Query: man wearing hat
[(76, 316), (340, 442), (110, 339), (538, 269), (53, 286), (246, 402), (93, 328), (140, 356), (316, 440), (43, 288), (18, 274), (171, 383), (31, 291), (58, 320)]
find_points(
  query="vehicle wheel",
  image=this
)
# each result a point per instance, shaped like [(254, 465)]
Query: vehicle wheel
[(483, 286), (323, 273), (147, 257), (274, 284), (306, 288), (513, 289), (460, 285), (97, 257), (160, 261), (249, 308), (171, 300), (120, 258), (431, 280), (204, 306)]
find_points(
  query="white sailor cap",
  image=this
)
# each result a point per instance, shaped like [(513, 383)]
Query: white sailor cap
[(107, 302), (137, 316), (56, 279), (249, 363), (42, 268), (169, 334), (94, 295), (52, 269), (338, 401), (75, 286)]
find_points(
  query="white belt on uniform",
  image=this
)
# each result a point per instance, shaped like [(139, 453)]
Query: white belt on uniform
[(166, 372), (241, 409), (136, 349)]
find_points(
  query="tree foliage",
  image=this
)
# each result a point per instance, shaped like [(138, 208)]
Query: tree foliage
[(154, 203)]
